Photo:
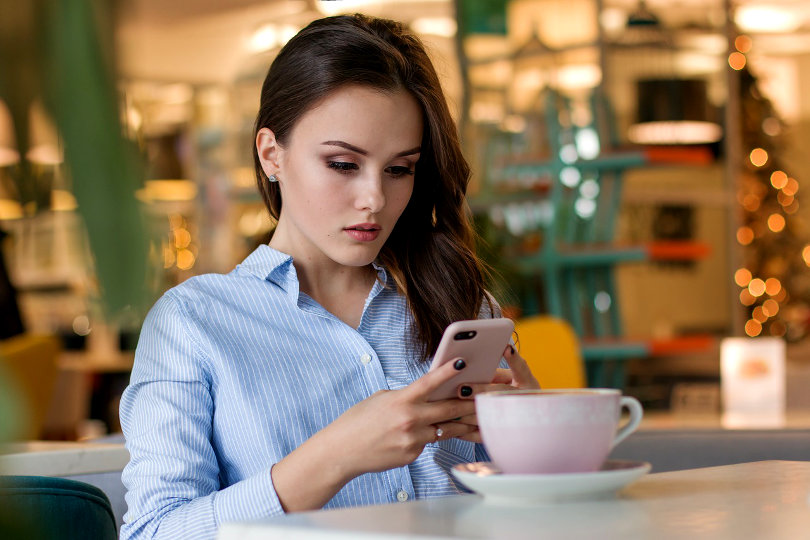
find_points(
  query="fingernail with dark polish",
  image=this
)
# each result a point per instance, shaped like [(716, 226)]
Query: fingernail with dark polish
[(465, 391), (511, 350), (460, 364)]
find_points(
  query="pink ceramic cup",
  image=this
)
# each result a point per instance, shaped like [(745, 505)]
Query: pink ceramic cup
[(553, 431)]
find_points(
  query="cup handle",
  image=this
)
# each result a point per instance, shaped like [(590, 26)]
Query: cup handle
[(636, 412)]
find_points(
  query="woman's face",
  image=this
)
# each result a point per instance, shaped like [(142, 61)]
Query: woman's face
[(346, 174)]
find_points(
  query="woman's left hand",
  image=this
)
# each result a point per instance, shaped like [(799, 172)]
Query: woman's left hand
[(518, 376)]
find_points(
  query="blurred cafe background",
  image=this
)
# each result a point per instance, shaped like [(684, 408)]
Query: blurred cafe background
[(639, 171)]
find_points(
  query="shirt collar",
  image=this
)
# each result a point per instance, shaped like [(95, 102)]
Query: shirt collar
[(276, 267), (270, 264)]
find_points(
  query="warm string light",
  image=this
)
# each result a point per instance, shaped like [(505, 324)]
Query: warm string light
[(179, 250), (758, 157), (736, 60), (742, 43), (756, 289), (768, 232)]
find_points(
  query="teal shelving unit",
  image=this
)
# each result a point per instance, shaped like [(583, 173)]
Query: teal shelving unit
[(570, 272)]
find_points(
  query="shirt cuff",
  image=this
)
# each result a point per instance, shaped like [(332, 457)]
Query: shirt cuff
[(251, 499)]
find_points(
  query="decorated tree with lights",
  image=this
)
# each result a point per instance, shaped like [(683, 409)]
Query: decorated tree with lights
[(775, 278)]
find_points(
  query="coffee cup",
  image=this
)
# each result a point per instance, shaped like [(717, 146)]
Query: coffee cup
[(553, 431)]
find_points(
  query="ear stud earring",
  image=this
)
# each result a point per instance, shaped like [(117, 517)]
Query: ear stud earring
[(272, 178)]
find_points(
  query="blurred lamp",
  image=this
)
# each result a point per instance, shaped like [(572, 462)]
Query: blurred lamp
[(673, 111), (8, 152), (168, 180), (752, 380)]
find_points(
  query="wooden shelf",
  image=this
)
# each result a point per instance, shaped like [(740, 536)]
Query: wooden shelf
[(618, 348)]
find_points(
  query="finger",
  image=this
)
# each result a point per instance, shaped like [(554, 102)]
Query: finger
[(473, 437), (453, 430), (432, 380), (502, 376), (521, 374), (434, 412), (470, 419), (469, 391)]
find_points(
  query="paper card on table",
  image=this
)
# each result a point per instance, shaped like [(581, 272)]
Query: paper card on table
[(752, 378)]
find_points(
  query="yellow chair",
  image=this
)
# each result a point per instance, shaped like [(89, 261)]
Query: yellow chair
[(28, 366), (551, 348)]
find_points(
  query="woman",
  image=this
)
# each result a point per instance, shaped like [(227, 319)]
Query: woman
[(299, 380)]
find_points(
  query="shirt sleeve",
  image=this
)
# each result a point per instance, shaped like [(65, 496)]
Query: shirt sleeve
[(173, 476)]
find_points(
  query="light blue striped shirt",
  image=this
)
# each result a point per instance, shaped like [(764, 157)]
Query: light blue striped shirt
[(233, 372)]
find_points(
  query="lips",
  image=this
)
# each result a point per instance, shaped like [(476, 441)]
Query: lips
[(364, 227), (363, 232)]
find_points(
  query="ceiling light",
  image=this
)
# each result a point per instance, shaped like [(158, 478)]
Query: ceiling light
[(436, 26), (10, 209), (44, 154), (675, 132), (762, 18), (673, 111), (264, 38), (332, 7), (63, 201), (167, 191), (8, 156), (576, 77)]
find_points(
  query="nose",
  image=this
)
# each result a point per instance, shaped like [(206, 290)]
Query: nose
[(370, 194)]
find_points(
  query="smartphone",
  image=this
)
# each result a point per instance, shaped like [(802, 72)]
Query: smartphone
[(480, 343)]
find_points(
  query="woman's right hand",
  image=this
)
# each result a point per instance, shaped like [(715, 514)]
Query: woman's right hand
[(391, 427), (386, 430)]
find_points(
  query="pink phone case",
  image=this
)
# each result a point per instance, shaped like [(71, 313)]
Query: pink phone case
[(482, 352)]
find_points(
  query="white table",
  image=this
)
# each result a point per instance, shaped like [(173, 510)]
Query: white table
[(766, 499), (61, 458), (99, 464)]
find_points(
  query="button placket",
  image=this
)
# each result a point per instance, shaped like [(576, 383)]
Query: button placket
[(402, 495), (365, 358)]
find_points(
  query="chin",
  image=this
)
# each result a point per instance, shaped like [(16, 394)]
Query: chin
[(357, 256)]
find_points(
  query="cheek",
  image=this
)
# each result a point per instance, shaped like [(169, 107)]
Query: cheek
[(400, 196)]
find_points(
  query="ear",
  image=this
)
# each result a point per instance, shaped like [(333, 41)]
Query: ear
[(269, 151)]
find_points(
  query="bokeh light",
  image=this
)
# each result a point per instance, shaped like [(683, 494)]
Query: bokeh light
[(756, 287), (746, 298), (758, 157), (784, 200), (185, 259), (779, 179), (773, 286), (742, 43), (791, 187), (776, 222), (751, 202), (745, 235), (742, 277), (806, 254), (770, 307), (736, 60), (778, 328), (753, 328)]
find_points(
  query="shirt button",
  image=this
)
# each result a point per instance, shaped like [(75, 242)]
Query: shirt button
[(402, 495), (366, 358)]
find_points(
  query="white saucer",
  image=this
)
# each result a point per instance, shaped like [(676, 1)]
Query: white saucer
[(486, 479)]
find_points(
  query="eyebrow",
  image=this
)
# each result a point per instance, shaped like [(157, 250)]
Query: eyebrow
[(360, 151)]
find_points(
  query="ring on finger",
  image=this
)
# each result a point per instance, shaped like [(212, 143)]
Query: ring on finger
[(439, 433)]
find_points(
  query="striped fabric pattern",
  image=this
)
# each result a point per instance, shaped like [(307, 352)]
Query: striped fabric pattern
[(233, 372)]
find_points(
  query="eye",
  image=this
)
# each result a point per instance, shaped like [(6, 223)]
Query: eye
[(343, 167), (397, 171)]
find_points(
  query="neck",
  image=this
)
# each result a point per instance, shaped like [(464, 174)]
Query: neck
[(327, 283)]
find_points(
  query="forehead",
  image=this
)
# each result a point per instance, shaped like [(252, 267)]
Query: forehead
[(363, 116)]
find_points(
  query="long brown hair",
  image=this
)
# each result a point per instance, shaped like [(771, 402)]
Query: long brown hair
[(431, 251)]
